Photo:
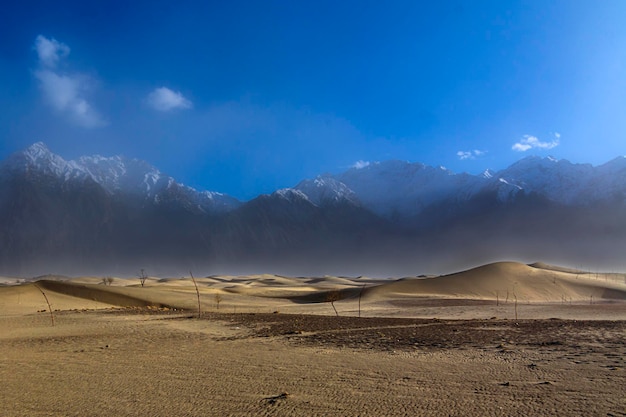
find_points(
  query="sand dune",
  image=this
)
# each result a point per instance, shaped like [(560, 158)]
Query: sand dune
[(510, 280), (470, 351), (501, 282)]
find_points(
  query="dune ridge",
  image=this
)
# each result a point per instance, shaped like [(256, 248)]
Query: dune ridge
[(508, 279), (492, 284)]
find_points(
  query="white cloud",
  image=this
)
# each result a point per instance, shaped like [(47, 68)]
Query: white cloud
[(66, 93), (164, 99), (469, 154), (530, 142), (50, 51), (360, 164)]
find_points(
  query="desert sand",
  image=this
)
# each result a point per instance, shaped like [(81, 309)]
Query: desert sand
[(500, 339)]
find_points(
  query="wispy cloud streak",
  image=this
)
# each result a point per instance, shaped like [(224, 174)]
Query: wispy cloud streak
[(463, 155), (66, 93)]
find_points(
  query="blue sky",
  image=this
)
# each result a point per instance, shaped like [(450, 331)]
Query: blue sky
[(246, 97)]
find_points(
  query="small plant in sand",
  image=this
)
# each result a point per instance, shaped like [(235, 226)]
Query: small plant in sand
[(142, 277), (218, 300), (107, 281), (331, 297)]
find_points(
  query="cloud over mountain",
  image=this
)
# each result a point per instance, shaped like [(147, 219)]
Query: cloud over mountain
[(532, 142), (463, 155)]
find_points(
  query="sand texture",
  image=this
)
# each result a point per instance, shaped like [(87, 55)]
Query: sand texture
[(502, 339)]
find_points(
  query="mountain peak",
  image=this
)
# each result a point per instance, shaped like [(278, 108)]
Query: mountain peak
[(38, 157), (325, 189), (37, 149)]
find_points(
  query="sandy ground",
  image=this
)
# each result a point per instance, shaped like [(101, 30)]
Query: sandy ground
[(123, 349)]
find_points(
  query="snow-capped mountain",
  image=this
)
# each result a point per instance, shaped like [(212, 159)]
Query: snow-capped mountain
[(392, 189), (563, 182), (117, 175), (558, 180), (398, 188), (326, 190), (97, 213), (403, 189)]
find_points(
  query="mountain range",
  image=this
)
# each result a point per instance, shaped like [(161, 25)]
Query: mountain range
[(118, 215)]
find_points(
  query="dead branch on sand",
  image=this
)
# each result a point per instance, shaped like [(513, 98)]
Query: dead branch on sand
[(48, 302), (197, 292)]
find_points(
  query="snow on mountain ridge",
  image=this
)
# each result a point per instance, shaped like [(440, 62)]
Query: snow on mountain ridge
[(558, 180), (115, 174), (291, 194), (325, 189), (399, 188), (390, 188), (38, 157)]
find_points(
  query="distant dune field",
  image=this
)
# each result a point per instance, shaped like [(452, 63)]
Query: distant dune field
[(483, 291)]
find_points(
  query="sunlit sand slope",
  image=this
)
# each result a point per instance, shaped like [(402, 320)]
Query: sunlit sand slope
[(510, 279), (502, 281)]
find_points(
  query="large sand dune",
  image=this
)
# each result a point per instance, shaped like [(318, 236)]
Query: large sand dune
[(511, 280)]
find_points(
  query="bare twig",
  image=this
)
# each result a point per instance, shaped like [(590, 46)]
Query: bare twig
[(142, 277), (360, 294), (333, 296), (48, 302), (197, 292)]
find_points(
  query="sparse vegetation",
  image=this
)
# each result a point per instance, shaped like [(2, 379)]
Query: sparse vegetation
[(333, 296), (107, 281), (142, 277), (218, 300)]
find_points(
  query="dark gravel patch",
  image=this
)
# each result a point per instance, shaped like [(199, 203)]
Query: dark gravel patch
[(410, 334)]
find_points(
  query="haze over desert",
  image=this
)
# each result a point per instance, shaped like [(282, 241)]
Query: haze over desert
[(500, 339)]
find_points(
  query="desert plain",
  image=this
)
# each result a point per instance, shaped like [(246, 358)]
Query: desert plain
[(504, 339)]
